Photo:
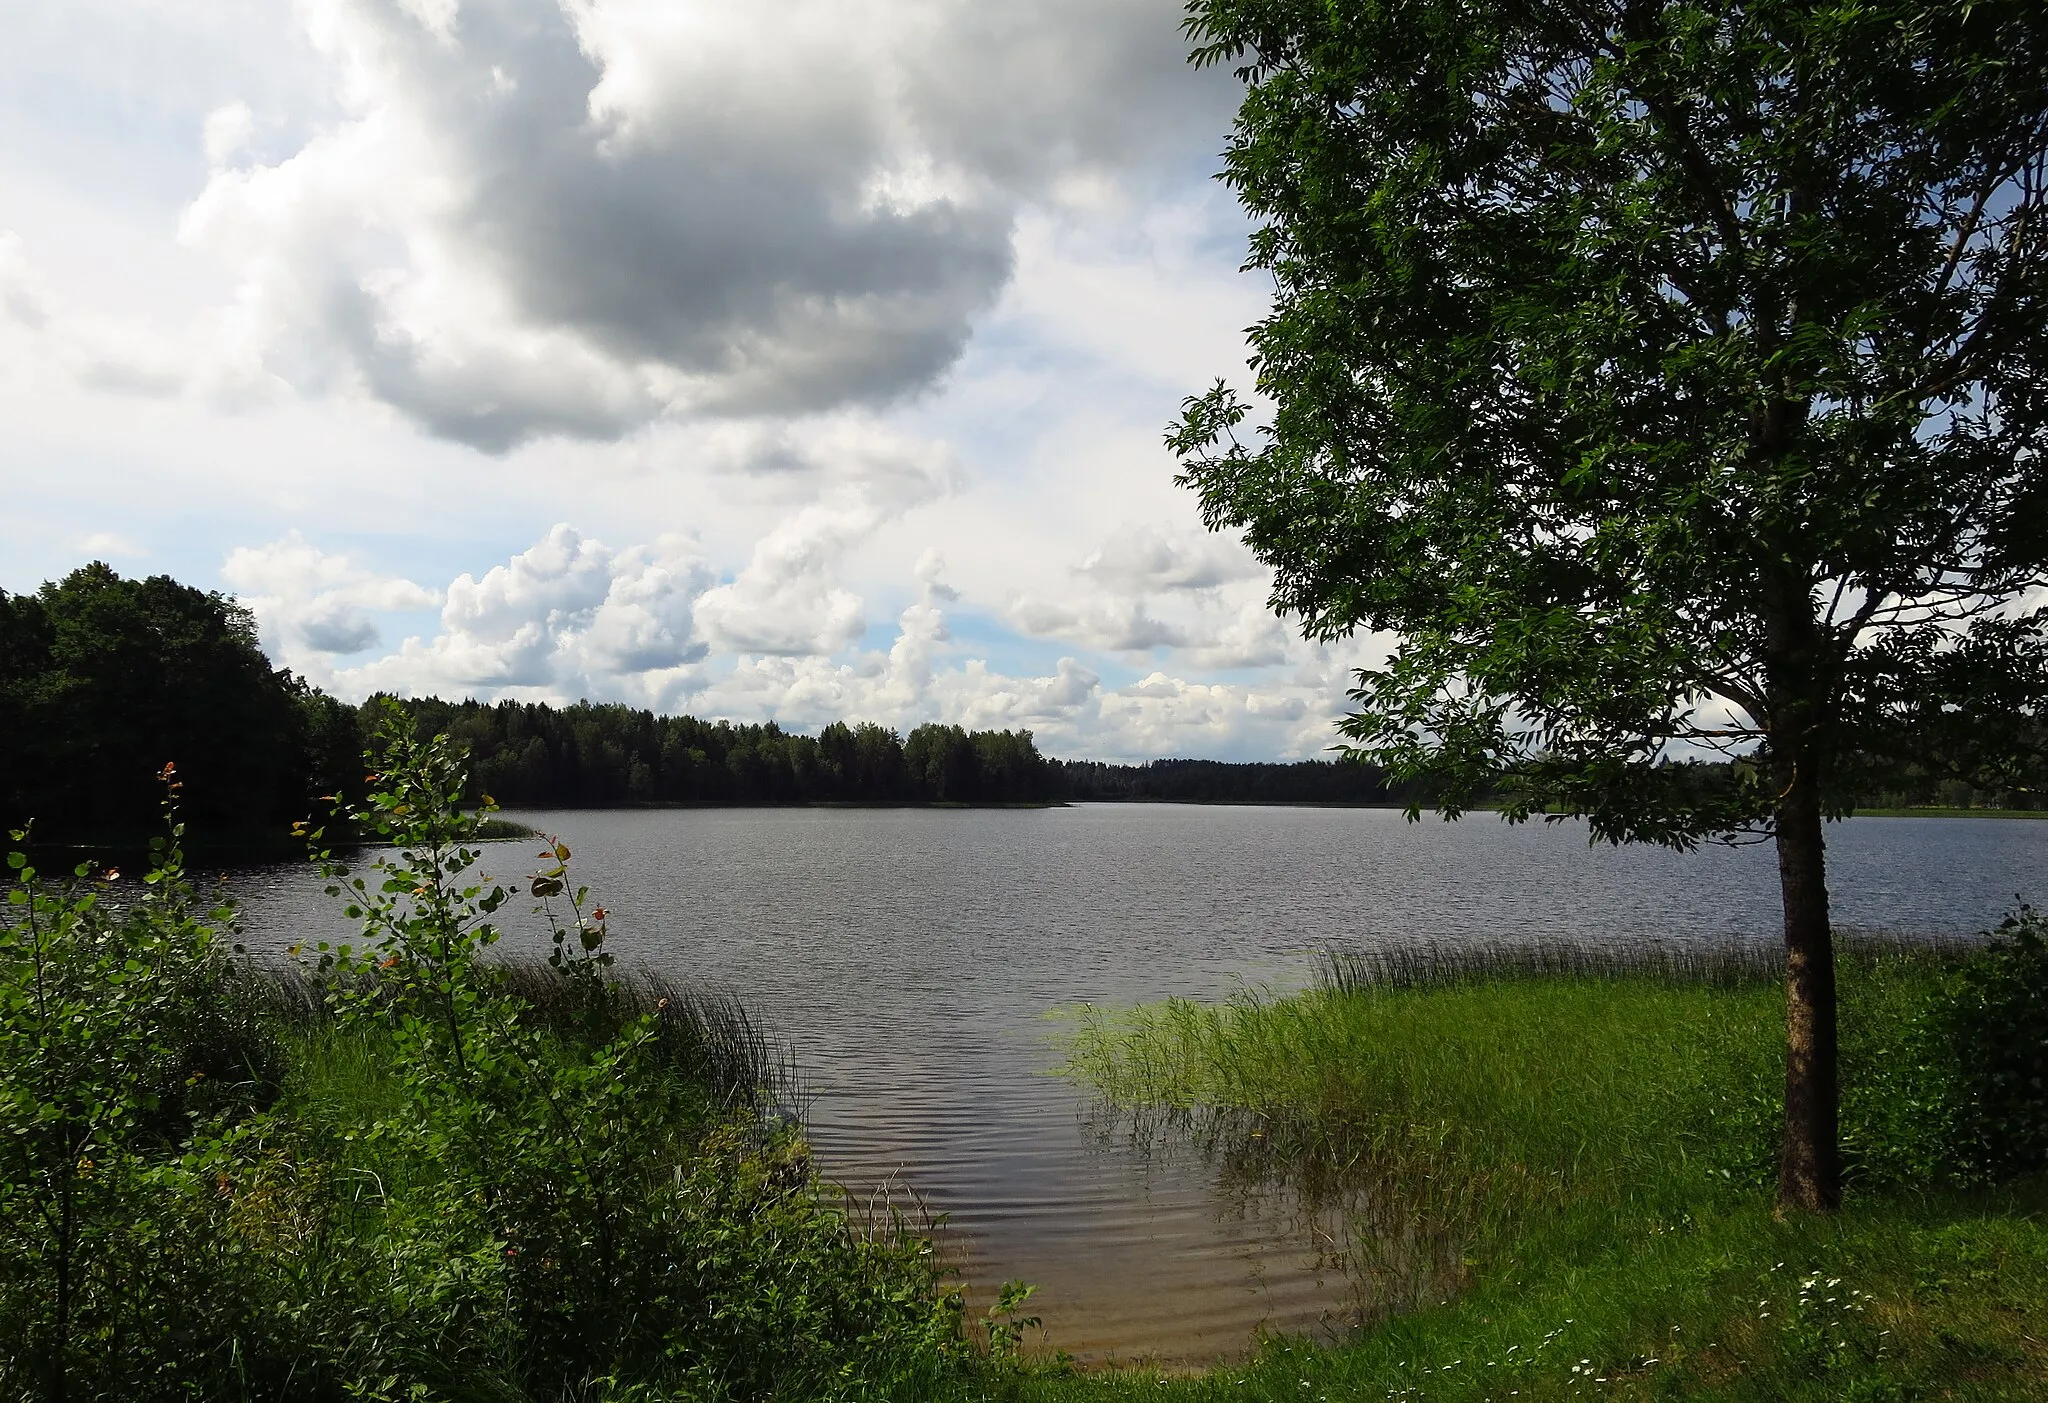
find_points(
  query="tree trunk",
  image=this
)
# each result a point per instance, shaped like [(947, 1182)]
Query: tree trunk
[(1809, 1165)]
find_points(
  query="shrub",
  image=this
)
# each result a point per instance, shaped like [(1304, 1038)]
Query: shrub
[(415, 1172), (123, 1074), (1999, 1025)]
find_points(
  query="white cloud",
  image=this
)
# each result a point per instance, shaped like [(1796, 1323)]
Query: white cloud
[(1116, 624), (106, 545), (788, 599), (572, 618), (570, 217), (567, 618), (227, 133), (1146, 588), (1144, 557), (310, 604)]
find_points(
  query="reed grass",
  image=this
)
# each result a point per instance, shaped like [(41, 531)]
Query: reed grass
[(703, 1037), (1554, 1165), (1720, 964)]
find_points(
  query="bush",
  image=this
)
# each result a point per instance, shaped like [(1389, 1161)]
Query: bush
[(1999, 1023), (1945, 1061), (413, 1172), (124, 1076)]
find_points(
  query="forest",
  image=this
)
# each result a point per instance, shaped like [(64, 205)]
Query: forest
[(103, 680)]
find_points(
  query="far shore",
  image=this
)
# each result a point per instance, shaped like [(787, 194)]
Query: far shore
[(261, 848)]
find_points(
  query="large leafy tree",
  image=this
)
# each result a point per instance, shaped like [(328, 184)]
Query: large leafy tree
[(104, 679), (1662, 377)]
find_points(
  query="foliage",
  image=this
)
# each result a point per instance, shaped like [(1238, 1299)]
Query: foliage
[(122, 1071), (1658, 374), (1216, 782), (103, 680), (1999, 1024), (616, 1247), (431, 1177), (1665, 378), (536, 755)]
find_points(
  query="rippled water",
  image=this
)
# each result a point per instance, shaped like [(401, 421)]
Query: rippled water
[(909, 957)]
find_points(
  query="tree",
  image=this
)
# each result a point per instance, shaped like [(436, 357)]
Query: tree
[(1663, 377), (103, 680)]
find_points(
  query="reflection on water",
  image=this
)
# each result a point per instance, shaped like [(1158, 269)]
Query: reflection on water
[(1386, 1224), (909, 958)]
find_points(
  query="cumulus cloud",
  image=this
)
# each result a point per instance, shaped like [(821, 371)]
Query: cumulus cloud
[(572, 216), (566, 618), (787, 599), (1145, 587), (1120, 625), (1146, 557), (572, 618), (309, 603)]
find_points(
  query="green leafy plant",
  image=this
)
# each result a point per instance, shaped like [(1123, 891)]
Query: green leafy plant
[(2000, 1025), (544, 1150), (106, 1124), (619, 1236), (1006, 1322)]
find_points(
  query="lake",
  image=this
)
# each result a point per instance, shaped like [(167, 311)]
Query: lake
[(909, 959)]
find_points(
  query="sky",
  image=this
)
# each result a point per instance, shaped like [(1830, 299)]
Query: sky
[(763, 359)]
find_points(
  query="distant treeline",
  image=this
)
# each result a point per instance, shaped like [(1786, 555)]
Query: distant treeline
[(104, 679), (529, 754), (1217, 782)]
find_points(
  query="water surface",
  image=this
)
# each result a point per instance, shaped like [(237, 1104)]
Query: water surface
[(909, 958)]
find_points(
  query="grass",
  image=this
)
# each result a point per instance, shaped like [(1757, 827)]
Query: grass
[(1554, 1164), (332, 1082), (1930, 1297)]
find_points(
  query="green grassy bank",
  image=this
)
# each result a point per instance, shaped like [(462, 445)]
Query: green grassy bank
[(1555, 1173)]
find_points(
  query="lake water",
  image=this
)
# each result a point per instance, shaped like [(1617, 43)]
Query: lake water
[(909, 959)]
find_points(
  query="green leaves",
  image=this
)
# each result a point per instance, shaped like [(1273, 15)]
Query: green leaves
[(1616, 367), (104, 1007)]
